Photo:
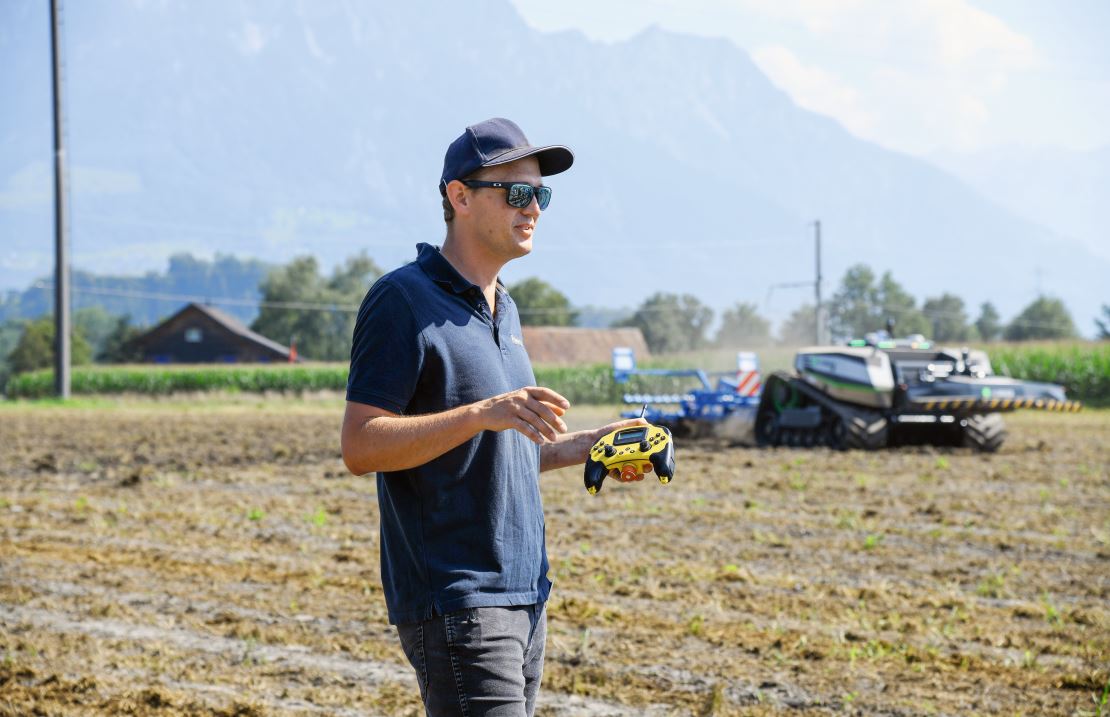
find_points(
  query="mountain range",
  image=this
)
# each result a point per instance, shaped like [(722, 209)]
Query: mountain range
[(270, 130)]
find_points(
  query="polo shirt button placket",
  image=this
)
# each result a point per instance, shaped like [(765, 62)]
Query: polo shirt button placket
[(480, 304)]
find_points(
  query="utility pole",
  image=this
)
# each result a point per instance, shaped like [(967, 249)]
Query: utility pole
[(818, 310), (61, 228), (817, 318)]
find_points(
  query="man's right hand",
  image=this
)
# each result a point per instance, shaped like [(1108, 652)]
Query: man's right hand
[(532, 410)]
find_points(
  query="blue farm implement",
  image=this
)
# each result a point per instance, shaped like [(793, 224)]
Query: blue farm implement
[(723, 410)]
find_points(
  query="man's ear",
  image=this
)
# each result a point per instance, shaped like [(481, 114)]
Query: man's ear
[(459, 196)]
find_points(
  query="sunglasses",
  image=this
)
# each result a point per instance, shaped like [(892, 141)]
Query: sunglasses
[(520, 194)]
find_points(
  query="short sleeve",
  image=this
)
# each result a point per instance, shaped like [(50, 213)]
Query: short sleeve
[(387, 350)]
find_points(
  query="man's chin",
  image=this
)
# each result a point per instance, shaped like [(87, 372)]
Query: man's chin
[(524, 246)]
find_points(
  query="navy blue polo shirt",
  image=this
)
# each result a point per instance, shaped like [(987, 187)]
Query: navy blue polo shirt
[(465, 529)]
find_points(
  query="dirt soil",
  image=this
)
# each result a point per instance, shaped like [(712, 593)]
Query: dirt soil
[(164, 560)]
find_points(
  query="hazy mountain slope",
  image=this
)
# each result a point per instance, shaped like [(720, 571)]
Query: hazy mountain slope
[(272, 129), (154, 295), (1064, 191)]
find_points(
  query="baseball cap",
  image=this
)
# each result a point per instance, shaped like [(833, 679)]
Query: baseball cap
[(498, 141)]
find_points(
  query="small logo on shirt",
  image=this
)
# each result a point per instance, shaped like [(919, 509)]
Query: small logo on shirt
[(515, 340)]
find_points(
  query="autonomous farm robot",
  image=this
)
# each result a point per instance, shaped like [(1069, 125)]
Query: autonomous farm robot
[(880, 391), (872, 393)]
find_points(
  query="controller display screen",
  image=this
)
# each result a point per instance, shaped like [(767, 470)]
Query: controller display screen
[(630, 435)]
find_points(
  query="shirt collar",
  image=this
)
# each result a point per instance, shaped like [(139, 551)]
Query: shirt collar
[(439, 270)]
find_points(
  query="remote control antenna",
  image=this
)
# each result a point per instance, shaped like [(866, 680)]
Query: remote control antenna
[(643, 410)]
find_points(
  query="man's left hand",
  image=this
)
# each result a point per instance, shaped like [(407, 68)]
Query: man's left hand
[(572, 449), (600, 433), (616, 426)]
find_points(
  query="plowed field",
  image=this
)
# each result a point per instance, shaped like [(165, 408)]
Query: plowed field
[(169, 559)]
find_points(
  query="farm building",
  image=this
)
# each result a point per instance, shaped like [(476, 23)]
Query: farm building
[(566, 346), (203, 334)]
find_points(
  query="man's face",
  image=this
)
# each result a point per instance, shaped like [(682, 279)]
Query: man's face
[(505, 230)]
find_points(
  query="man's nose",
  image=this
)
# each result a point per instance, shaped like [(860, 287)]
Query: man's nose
[(533, 208)]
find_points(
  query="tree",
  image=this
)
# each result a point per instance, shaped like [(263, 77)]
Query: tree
[(35, 349), (119, 345), (1045, 318), (989, 323), (742, 325), (861, 306), (896, 303), (10, 331), (671, 322), (852, 308), (948, 318), (801, 327), (95, 324), (541, 304), (354, 276), (1103, 324), (318, 320)]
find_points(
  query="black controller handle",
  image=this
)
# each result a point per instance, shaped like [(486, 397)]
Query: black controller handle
[(595, 475), (663, 462)]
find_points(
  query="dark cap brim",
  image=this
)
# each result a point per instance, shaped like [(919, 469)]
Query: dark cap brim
[(553, 159)]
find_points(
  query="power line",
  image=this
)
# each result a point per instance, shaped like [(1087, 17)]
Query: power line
[(296, 305), (197, 299), (353, 308), (260, 303)]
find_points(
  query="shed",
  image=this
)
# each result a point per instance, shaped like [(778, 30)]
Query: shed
[(567, 346), (204, 334)]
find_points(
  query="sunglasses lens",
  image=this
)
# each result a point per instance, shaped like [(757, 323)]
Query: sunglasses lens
[(520, 195), (543, 197)]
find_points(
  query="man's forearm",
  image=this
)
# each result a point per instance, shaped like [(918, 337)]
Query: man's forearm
[(569, 450), (394, 443), (374, 439)]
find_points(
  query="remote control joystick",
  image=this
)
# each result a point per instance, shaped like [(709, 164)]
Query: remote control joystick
[(630, 452)]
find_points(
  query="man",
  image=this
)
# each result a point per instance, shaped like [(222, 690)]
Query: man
[(441, 402)]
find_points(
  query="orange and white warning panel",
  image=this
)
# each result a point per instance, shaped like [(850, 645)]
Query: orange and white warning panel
[(748, 381)]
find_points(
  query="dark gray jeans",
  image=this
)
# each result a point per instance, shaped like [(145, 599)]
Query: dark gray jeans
[(478, 661)]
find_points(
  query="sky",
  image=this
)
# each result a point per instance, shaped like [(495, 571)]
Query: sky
[(917, 76)]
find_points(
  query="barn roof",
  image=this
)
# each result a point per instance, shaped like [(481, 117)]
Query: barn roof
[(236, 326), (564, 345), (225, 320)]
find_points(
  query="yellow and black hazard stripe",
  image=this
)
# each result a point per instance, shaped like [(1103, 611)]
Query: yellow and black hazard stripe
[(986, 405)]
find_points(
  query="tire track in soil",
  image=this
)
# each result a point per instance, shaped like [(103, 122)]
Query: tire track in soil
[(780, 692), (12, 617), (215, 611), (783, 693), (170, 604), (787, 695)]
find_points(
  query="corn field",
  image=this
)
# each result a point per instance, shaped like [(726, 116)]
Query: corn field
[(1082, 368)]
